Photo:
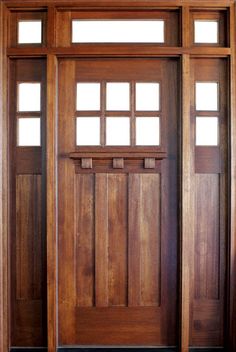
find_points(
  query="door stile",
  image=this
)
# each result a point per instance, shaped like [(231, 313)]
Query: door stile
[(4, 188), (52, 201), (232, 240), (187, 208)]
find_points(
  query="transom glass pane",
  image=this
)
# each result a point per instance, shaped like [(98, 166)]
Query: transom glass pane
[(29, 97), (30, 32), (147, 96), (88, 131), (118, 96), (29, 133), (147, 131), (207, 96), (206, 31), (88, 96), (118, 31), (207, 131), (117, 131)]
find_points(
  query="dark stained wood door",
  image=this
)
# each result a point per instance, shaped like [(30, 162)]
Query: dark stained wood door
[(118, 210)]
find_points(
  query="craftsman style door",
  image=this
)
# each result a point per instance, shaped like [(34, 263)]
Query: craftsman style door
[(117, 196)]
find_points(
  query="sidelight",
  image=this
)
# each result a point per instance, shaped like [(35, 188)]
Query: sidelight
[(117, 131), (148, 131), (147, 96), (118, 96), (206, 32), (207, 96), (30, 32), (118, 31), (29, 97)]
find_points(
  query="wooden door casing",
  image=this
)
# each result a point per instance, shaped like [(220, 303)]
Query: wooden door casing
[(117, 245)]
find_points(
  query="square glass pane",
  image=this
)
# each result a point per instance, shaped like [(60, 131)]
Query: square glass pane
[(147, 96), (207, 96), (29, 131), (117, 131), (206, 32), (118, 96), (88, 131), (207, 131), (88, 96), (147, 131), (118, 31), (29, 97), (29, 32)]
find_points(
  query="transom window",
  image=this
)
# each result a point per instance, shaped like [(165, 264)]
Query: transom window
[(118, 31), (118, 114)]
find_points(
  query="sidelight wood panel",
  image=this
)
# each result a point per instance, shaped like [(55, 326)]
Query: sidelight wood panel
[(28, 237), (207, 236)]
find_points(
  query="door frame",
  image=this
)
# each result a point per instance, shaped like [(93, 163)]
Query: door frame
[(52, 52)]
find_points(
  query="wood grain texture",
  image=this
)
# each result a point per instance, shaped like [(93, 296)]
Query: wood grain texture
[(231, 336), (4, 188), (28, 238), (52, 202), (144, 240), (85, 240), (207, 237)]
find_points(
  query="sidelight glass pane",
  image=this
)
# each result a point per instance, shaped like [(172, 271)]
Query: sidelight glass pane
[(207, 96), (117, 131), (147, 131), (30, 32), (88, 131), (118, 31), (147, 96), (88, 96), (207, 131), (29, 97), (29, 133), (118, 96), (206, 31)]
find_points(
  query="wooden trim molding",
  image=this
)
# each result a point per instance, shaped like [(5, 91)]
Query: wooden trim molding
[(4, 253)]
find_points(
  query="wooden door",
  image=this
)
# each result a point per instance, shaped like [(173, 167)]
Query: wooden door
[(118, 205)]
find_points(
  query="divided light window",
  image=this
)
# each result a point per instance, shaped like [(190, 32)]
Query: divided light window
[(118, 31)]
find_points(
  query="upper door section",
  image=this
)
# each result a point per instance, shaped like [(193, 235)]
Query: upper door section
[(80, 29)]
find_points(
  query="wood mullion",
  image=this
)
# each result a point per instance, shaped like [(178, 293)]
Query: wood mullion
[(231, 338), (186, 26), (187, 208), (52, 201), (51, 26), (102, 114), (133, 118)]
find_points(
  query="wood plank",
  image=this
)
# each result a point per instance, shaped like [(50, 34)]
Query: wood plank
[(144, 240), (84, 198), (207, 237), (101, 240), (4, 187), (51, 202), (118, 233)]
